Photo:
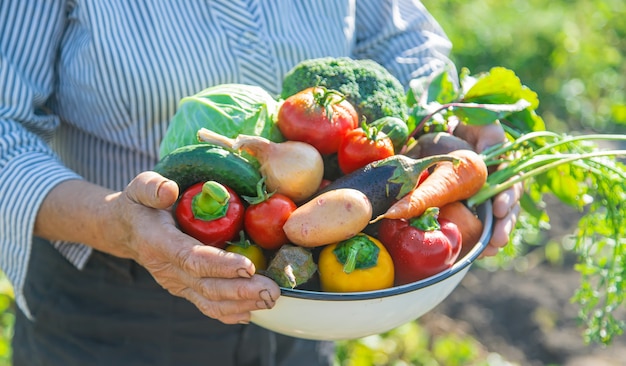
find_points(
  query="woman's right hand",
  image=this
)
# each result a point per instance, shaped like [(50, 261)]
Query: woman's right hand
[(137, 223), (222, 285)]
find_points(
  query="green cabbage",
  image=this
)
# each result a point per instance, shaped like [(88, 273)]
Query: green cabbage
[(228, 109)]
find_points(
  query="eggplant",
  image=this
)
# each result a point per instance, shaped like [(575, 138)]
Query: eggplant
[(387, 180)]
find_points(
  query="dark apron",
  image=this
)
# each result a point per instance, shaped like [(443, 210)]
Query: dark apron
[(114, 313)]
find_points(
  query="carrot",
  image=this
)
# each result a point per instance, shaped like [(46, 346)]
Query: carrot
[(449, 182), (468, 223)]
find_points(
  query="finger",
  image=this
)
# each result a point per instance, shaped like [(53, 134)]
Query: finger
[(200, 261), (481, 137), (490, 135), (152, 190), (489, 251), (259, 289), (228, 312), (258, 292), (231, 300), (503, 227), (504, 202)]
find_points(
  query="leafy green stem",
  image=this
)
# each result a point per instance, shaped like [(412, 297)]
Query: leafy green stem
[(529, 169)]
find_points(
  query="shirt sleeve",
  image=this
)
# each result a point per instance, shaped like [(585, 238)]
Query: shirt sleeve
[(30, 32), (402, 36)]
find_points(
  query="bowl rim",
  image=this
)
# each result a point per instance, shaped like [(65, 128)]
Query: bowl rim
[(460, 265)]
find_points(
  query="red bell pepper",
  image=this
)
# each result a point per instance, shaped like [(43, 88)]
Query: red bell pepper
[(210, 212), (420, 247)]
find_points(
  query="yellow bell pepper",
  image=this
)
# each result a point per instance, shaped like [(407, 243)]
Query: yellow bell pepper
[(360, 263)]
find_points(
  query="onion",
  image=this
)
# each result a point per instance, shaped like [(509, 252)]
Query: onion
[(292, 168)]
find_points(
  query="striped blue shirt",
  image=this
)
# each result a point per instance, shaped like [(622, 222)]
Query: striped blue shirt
[(87, 87)]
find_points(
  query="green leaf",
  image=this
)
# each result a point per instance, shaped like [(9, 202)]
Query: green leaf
[(417, 88), (525, 121), (434, 88), (533, 209), (500, 86), (419, 112), (466, 79), (441, 89), (484, 114), (565, 186)]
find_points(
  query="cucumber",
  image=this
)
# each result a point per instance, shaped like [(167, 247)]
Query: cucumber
[(387, 180), (191, 164)]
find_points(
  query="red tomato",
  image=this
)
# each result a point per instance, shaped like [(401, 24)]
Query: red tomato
[(317, 116), (324, 183), (264, 221), (362, 146)]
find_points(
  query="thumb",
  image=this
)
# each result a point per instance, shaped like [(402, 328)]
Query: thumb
[(490, 135), (483, 136), (152, 190)]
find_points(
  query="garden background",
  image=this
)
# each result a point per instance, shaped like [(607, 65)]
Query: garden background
[(510, 311)]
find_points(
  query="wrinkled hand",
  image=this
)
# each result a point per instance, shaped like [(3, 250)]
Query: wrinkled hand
[(222, 285), (506, 207)]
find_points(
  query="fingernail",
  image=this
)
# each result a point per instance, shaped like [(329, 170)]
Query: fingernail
[(161, 185), (163, 182), (267, 298), (265, 295), (244, 322), (243, 273)]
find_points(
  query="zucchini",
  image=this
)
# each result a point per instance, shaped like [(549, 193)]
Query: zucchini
[(191, 164), (387, 180)]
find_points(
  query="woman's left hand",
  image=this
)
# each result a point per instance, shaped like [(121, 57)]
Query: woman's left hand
[(506, 206)]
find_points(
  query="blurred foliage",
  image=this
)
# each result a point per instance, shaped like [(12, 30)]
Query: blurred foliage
[(572, 53), (412, 344), (7, 319)]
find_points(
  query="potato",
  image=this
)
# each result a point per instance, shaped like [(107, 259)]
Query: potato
[(328, 218)]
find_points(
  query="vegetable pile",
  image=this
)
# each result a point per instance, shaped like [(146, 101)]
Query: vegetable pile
[(346, 184)]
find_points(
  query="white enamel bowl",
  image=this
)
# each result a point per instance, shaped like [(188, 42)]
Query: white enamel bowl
[(336, 316)]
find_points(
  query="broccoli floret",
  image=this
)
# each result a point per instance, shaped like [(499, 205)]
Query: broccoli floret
[(372, 89)]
